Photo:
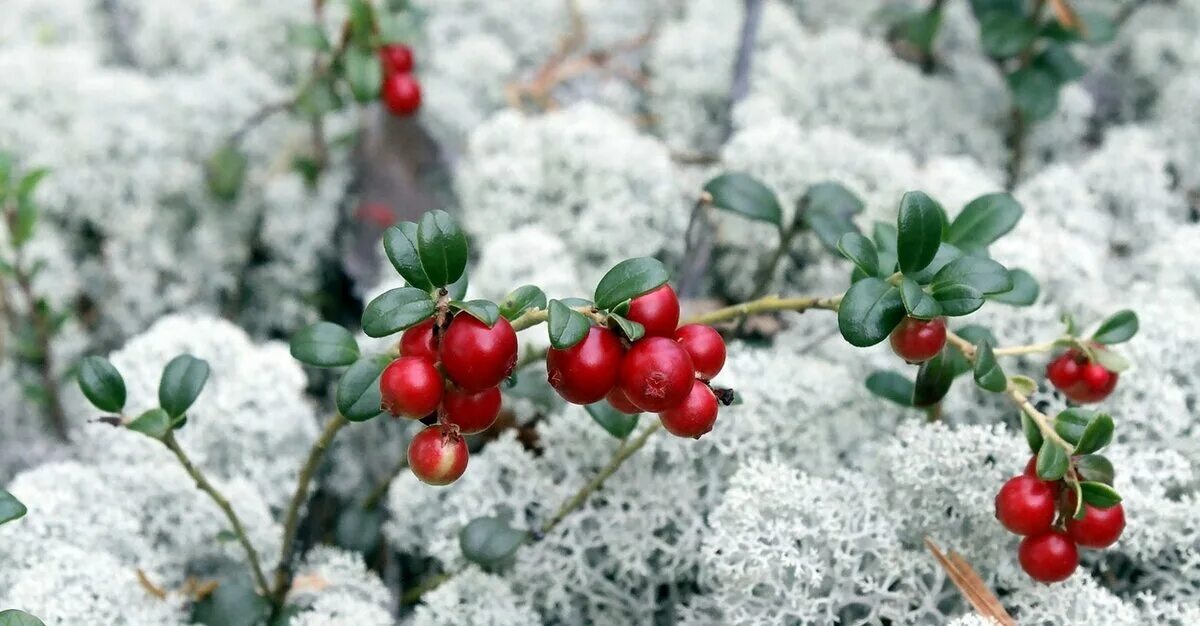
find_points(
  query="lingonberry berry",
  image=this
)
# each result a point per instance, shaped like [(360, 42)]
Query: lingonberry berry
[(616, 398), (411, 386), (706, 347), (1099, 528), (396, 58), (1079, 379), (1025, 505), (1064, 371), (401, 94), (657, 311), (1096, 383), (656, 374), (476, 357), (471, 412), (418, 341), (694, 416), (587, 371), (437, 456), (1049, 557), (917, 341)]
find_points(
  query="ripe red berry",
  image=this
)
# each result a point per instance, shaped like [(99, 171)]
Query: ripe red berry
[(1099, 528), (917, 341), (437, 457), (411, 386), (471, 412), (396, 58), (1096, 383), (1081, 380), (1049, 557), (401, 94), (587, 371), (418, 341), (706, 347), (476, 357), (694, 416), (657, 311), (1025, 505), (1065, 370), (618, 401), (656, 374)]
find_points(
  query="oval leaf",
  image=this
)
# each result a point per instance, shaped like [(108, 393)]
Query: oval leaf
[(631, 329), (934, 379), (482, 310), (182, 380), (324, 344), (919, 228), (828, 210), (155, 423), (861, 252), (1070, 423), (102, 384), (362, 71), (13, 617), (988, 373), (490, 541), (918, 303), (565, 325), (745, 195), (1033, 434), (629, 279), (869, 311), (400, 245), (442, 247), (981, 273), (522, 299), (1051, 461), (891, 386), (10, 507), (1095, 467), (395, 310), (618, 424), (1099, 494), (358, 398), (984, 220), (946, 253), (1097, 434), (1034, 92), (1024, 292), (957, 300), (1120, 326)]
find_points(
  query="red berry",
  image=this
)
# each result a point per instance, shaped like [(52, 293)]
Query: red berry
[(396, 58), (587, 371), (476, 357), (1096, 384), (471, 412), (1099, 528), (694, 416), (418, 341), (401, 94), (706, 347), (1064, 371), (656, 374), (1025, 505), (437, 457), (411, 386), (917, 341), (1049, 557), (617, 399), (657, 311)]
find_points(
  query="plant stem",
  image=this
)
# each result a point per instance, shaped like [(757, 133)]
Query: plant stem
[(42, 333), (238, 530), (533, 317), (766, 304), (283, 571), (1034, 348)]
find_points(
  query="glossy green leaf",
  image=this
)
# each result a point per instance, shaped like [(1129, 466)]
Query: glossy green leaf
[(182, 380), (918, 303), (892, 386), (1034, 92), (1119, 327), (934, 379), (490, 541), (860, 251), (957, 300), (745, 195), (1024, 292), (565, 325), (10, 507), (13, 617), (629, 279), (1097, 434), (482, 310), (1079, 511), (919, 228), (1099, 494), (1004, 34), (442, 247), (400, 245), (522, 299), (869, 311), (154, 423), (618, 424), (1023, 384), (984, 220), (988, 373), (1051, 461), (630, 329), (102, 384), (980, 273), (1095, 467), (828, 210), (324, 344), (358, 398), (1070, 423), (363, 72), (395, 310), (1033, 434), (945, 254)]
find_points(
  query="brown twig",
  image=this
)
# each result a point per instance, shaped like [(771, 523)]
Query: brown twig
[(971, 585)]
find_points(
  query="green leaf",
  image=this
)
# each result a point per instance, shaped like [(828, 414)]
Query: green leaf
[(629, 279), (522, 299), (980, 273), (1004, 34), (10, 507), (1097, 434), (362, 21), (1099, 494), (860, 251), (308, 36), (13, 617), (1079, 511), (1095, 467), (1034, 92), (363, 73), (442, 247), (1024, 384), (357, 397), (745, 195), (1033, 434), (395, 310), (984, 220), (400, 245), (945, 254), (828, 210), (324, 344), (225, 172), (934, 379), (618, 424), (1051, 461), (182, 380), (631, 329), (1110, 360), (490, 541), (1070, 423), (920, 29), (918, 303), (1097, 28), (457, 290), (1057, 60), (102, 384), (988, 373), (957, 300), (1072, 327), (482, 310), (1024, 292), (869, 311), (232, 603), (1119, 327), (892, 386), (919, 225), (566, 326), (154, 423)]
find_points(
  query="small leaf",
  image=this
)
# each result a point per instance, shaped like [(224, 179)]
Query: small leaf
[(324, 344), (861, 252), (1005, 34), (10, 507), (1110, 360), (957, 300), (1070, 423), (983, 274), (828, 210), (522, 299), (1024, 292), (934, 379), (182, 380), (317, 99), (1099, 494), (631, 329), (919, 225), (745, 195), (490, 541), (442, 247), (1097, 434), (1034, 92), (400, 245), (869, 311), (566, 326), (892, 386), (618, 424), (358, 398), (1119, 327), (1060, 63), (918, 303), (629, 279), (154, 423), (984, 220), (233, 603), (395, 310), (1051, 461), (482, 310), (308, 36), (225, 172), (13, 617), (102, 384), (1095, 467), (988, 373), (363, 73), (1033, 434), (1023, 384), (946, 253)]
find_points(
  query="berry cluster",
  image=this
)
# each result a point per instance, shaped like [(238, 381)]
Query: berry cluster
[(1044, 513), (665, 371), (1080, 378), (454, 375), (400, 91)]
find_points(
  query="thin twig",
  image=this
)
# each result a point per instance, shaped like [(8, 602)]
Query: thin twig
[(42, 333), (740, 85), (970, 584)]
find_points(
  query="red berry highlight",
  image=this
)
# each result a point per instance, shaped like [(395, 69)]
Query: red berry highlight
[(1099, 528), (418, 341), (1049, 557), (476, 357), (1064, 371), (437, 457), (694, 416), (411, 387), (396, 58), (401, 94), (616, 398), (657, 311), (656, 374), (471, 412), (587, 371), (706, 347), (917, 341), (1025, 505)]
